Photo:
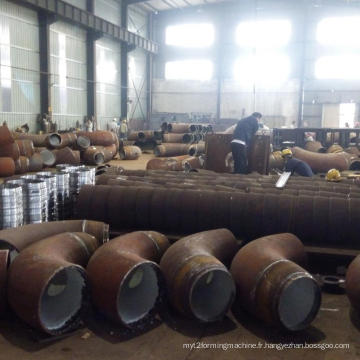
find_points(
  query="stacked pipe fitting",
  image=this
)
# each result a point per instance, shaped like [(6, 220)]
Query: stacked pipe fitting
[(11, 206), (198, 283), (272, 286), (47, 282), (130, 295), (51, 184), (250, 206), (63, 194)]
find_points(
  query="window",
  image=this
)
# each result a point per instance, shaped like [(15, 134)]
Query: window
[(190, 35), (263, 34), (347, 115), (189, 70), (338, 67), (339, 31), (266, 69)]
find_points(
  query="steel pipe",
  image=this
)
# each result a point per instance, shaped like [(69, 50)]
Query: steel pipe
[(67, 156), (170, 149), (7, 166), (48, 158), (171, 164), (173, 138), (94, 156), (6, 137), (272, 286), (36, 162), (21, 165), (149, 134), (130, 153), (353, 284), (26, 147), (10, 150), (4, 264), (47, 282), (40, 140), (17, 239), (324, 162), (197, 149), (99, 137), (130, 295), (314, 146), (335, 148), (314, 219), (180, 128), (198, 283), (82, 143)]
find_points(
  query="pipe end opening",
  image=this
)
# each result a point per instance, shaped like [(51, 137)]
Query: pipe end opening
[(212, 295), (62, 299), (299, 303), (138, 294)]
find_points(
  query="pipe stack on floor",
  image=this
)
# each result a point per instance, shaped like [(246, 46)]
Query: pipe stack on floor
[(316, 211), (182, 139), (23, 152)]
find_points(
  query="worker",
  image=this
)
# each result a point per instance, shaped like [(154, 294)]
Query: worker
[(123, 130), (333, 175), (244, 132), (294, 165), (113, 126)]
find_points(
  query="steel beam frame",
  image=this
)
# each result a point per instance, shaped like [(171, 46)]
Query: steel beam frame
[(90, 21)]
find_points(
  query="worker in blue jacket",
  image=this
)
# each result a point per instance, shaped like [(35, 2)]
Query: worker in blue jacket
[(295, 166), (244, 132)]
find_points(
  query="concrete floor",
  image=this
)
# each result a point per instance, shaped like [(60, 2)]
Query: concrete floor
[(335, 324), (166, 339)]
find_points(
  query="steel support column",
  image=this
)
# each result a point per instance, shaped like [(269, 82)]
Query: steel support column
[(149, 73), (124, 63), (91, 37), (44, 48)]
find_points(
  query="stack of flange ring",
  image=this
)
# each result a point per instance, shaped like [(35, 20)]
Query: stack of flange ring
[(63, 194), (79, 176), (36, 210), (11, 206), (51, 184), (34, 193)]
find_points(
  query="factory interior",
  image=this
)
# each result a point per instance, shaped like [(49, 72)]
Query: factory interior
[(179, 179)]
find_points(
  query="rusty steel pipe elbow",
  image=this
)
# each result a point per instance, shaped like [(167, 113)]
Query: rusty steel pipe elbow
[(47, 282), (352, 283), (17, 239), (324, 162), (198, 283), (272, 286), (133, 288)]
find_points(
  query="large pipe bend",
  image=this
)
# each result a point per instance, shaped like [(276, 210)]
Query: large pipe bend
[(47, 282), (353, 283), (324, 162), (125, 278), (198, 283), (17, 239), (271, 285)]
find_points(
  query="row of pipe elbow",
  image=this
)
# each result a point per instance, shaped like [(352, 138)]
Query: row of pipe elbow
[(201, 275)]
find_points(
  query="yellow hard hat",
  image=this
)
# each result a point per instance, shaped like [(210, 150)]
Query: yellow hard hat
[(333, 175), (286, 152)]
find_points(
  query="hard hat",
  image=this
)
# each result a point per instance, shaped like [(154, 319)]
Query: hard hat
[(333, 175), (286, 152)]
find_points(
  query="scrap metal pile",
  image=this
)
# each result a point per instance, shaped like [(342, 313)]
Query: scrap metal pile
[(316, 211), (23, 152), (49, 272)]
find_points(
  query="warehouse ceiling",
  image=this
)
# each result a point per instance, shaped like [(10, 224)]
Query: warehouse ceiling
[(161, 5)]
